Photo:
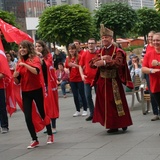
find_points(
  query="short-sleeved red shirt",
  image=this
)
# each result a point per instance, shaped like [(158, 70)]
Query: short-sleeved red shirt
[(84, 63), (74, 71), (149, 48), (30, 81), (154, 77)]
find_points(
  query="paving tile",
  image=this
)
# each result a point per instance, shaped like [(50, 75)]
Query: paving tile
[(78, 139)]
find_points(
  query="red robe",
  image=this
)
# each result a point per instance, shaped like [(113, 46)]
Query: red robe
[(105, 108), (52, 95)]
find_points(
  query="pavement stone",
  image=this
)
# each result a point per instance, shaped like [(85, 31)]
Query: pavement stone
[(77, 139)]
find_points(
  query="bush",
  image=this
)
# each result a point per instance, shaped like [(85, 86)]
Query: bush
[(131, 48)]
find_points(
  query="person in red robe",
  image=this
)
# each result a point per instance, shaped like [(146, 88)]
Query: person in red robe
[(50, 82), (111, 108), (29, 74)]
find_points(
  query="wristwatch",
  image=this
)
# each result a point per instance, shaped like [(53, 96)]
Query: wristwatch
[(150, 71)]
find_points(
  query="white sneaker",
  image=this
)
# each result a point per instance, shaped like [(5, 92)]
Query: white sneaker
[(76, 114), (84, 113)]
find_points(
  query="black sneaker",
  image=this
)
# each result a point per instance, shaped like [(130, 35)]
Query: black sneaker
[(89, 118), (124, 129), (4, 130), (112, 130)]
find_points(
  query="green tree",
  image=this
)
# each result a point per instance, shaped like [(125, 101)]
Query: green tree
[(119, 17), (148, 19), (64, 23), (157, 5), (11, 19)]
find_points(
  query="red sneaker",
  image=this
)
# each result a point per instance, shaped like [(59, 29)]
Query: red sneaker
[(33, 144), (50, 139)]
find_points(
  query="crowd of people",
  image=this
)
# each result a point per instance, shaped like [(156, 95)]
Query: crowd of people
[(37, 74)]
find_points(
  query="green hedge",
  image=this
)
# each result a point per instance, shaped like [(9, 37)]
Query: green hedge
[(131, 48)]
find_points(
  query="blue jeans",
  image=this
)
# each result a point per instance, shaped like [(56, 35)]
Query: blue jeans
[(88, 93), (63, 87), (3, 110), (155, 107), (78, 88)]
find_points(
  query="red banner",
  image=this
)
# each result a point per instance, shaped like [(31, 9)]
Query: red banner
[(13, 34)]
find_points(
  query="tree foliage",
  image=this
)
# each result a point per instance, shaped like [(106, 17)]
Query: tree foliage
[(11, 19), (157, 5), (64, 23), (119, 17), (148, 19)]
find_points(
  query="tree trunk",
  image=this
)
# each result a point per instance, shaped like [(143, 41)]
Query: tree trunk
[(114, 37)]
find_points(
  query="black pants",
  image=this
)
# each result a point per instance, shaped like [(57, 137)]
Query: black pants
[(3, 110), (53, 120), (154, 103), (28, 97), (157, 97)]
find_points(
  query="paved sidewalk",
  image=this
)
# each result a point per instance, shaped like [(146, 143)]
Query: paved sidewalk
[(77, 139)]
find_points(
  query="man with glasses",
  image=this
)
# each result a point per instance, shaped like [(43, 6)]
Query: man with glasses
[(88, 74)]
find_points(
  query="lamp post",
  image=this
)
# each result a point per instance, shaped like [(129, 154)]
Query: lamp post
[(131, 3), (48, 3), (141, 4)]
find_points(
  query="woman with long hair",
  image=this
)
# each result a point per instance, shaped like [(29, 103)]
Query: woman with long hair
[(29, 74), (50, 81), (76, 83)]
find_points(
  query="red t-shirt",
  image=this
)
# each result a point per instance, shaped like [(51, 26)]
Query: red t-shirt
[(74, 71), (81, 52), (149, 48), (154, 77), (30, 81), (88, 71)]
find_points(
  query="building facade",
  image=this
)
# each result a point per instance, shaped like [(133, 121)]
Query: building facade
[(26, 12), (94, 4)]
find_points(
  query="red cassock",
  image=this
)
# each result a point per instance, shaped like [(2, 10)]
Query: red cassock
[(105, 107)]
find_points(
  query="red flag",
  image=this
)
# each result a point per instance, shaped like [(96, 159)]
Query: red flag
[(4, 67), (10, 99), (13, 34), (5, 70)]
